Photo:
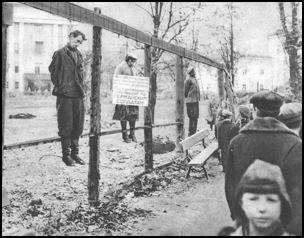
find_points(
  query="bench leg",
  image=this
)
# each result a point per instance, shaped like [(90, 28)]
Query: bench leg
[(188, 172), (188, 158), (205, 171)]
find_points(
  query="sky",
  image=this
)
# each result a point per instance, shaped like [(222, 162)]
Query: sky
[(256, 22)]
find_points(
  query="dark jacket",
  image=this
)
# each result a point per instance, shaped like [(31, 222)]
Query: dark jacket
[(235, 129), (222, 130), (192, 91), (269, 140), (67, 74)]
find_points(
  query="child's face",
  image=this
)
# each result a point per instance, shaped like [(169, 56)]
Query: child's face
[(262, 210)]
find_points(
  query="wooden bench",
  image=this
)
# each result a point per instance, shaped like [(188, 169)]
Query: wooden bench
[(203, 156)]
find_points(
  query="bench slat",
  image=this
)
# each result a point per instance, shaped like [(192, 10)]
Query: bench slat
[(205, 154), (192, 140)]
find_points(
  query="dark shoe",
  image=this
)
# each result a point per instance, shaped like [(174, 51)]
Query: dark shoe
[(66, 152), (68, 160), (125, 137), (132, 137), (75, 151), (78, 160)]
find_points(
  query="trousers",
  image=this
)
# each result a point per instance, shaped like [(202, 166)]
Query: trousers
[(70, 116)]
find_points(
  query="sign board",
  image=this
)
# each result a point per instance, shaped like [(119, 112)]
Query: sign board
[(130, 90)]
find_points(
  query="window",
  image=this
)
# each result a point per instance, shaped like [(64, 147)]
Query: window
[(38, 28), (262, 71), (6, 84), (38, 47), (16, 85), (16, 69), (244, 71), (37, 69), (244, 87), (16, 48), (261, 87)]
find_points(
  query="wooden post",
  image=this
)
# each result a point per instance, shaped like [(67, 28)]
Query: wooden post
[(94, 175), (148, 116), (7, 20), (221, 86), (179, 103)]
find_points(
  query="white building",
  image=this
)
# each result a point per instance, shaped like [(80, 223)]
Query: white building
[(255, 72), (32, 39)]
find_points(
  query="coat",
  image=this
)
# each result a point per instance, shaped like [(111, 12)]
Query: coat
[(236, 127), (67, 74), (269, 140), (125, 112), (192, 91), (222, 130)]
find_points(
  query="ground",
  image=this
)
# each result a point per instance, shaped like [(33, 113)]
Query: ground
[(52, 199)]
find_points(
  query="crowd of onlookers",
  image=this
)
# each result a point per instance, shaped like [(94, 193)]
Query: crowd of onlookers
[(261, 154)]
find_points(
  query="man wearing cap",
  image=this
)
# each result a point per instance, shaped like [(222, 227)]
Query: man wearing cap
[(291, 116), (67, 75), (270, 140), (222, 130), (124, 113), (192, 98), (244, 118)]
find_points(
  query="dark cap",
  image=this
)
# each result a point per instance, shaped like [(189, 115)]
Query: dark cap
[(267, 101), (290, 113)]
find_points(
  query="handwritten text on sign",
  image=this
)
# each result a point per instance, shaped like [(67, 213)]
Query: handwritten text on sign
[(130, 90)]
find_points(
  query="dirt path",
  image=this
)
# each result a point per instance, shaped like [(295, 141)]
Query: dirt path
[(196, 207)]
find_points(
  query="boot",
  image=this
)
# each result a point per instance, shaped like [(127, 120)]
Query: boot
[(132, 134), (125, 136), (75, 151), (66, 152), (124, 132)]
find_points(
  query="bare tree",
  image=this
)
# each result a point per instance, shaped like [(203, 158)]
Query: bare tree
[(292, 43), (170, 20)]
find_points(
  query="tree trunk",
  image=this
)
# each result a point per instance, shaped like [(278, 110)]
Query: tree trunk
[(293, 70)]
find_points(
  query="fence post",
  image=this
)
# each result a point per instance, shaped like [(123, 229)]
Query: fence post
[(148, 116), (221, 86), (179, 103), (94, 174), (7, 20)]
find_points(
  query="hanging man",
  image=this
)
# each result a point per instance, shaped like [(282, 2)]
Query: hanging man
[(66, 71), (124, 113), (192, 95)]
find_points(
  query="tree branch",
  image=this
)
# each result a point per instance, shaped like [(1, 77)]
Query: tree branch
[(169, 21), (283, 19), (144, 9), (151, 6)]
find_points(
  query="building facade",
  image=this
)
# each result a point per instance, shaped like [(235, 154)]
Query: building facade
[(254, 72), (32, 39)]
